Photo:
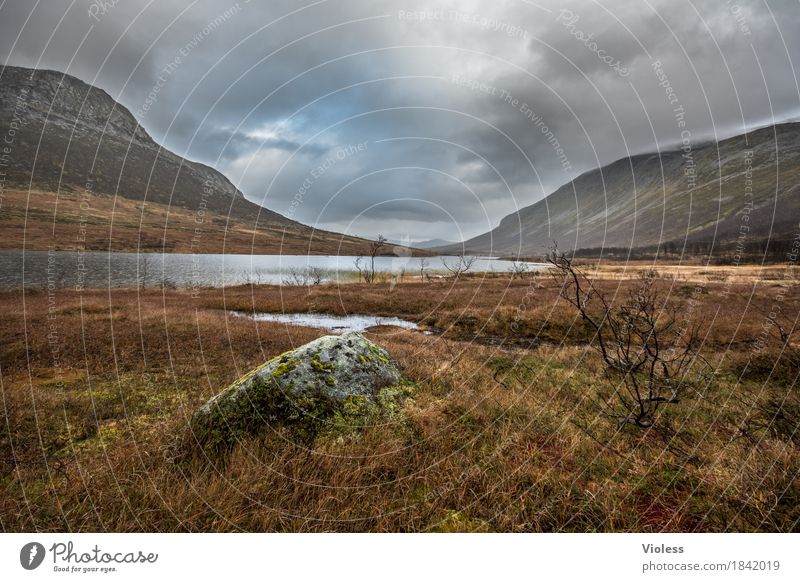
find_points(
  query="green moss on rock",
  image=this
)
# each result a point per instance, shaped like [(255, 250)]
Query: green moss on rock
[(333, 385)]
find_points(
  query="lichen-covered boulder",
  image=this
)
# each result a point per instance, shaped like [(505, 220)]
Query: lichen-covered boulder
[(332, 385)]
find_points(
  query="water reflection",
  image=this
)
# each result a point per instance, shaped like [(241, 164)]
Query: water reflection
[(59, 269), (334, 323)]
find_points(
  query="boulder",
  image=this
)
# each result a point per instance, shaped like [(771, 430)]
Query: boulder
[(332, 385)]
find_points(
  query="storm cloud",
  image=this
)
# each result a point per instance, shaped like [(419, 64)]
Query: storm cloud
[(419, 120)]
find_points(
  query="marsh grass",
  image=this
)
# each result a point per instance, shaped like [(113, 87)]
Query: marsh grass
[(495, 438)]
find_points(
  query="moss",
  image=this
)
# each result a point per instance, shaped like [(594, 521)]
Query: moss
[(265, 400), (391, 398), (379, 354), (357, 412), (309, 415), (266, 403), (284, 367), (321, 367), (354, 412)]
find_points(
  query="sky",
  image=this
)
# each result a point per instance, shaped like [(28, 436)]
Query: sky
[(419, 120)]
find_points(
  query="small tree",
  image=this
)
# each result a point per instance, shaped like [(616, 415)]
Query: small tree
[(305, 277), (143, 267), (316, 274), (374, 250), (295, 278), (460, 266), (518, 269), (423, 264), (639, 342)]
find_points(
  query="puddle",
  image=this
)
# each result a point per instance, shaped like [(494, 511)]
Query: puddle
[(333, 323)]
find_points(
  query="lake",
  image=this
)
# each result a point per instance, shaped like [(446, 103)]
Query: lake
[(60, 269), (333, 323)]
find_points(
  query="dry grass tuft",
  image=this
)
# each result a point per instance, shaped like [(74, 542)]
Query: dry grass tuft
[(501, 434)]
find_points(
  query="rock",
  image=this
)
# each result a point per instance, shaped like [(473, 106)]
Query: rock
[(332, 385)]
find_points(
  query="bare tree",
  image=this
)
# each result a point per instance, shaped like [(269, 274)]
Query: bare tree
[(374, 250), (461, 265), (639, 341), (311, 275), (295, 278), (143, 265), (518, 269), (358, 263), (785, 328), (768, 412), (316, 274), (423, 264)]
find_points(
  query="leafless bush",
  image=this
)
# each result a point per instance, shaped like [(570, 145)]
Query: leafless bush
[(773, 412), (366, 271), (518, 269), (642, 342), (461, 265), (143, 268), (358, 263), (304, 277), (374, 249), (315, 274)]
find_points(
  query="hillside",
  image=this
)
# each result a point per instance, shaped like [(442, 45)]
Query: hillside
[(80, 171), (738, 191)]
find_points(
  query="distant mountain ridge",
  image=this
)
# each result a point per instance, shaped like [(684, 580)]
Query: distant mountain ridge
[(75, 134), (433, 243), (739, 190), (423, 244), (68, 137)]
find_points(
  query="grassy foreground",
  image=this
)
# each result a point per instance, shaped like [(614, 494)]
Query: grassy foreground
[(501, 433)]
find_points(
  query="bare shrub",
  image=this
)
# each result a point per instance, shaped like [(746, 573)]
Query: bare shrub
[(518, 269), (374, 250), (358, 263), (366, 270), (461, 265), (642, 342), (142, 268), (423, 264), (771, 411), (315, 274), (305, 277)]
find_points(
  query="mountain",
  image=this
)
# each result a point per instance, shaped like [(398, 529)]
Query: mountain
[(719, 197), (78, 169), (424, 244), (433, 243)]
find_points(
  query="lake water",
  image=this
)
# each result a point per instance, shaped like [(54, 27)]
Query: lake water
[(333, 323), (59, 269)]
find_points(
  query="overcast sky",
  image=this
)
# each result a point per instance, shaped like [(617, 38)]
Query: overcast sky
[(464, 111)]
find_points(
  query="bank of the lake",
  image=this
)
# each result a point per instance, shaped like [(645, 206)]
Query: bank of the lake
[(91, 270)]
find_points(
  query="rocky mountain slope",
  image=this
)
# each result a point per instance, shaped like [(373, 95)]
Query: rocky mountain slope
[(739, 191), (72, 134), (69, 145)]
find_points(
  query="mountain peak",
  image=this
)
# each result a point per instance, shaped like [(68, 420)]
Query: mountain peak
[(70, 134), (672, 197), (64, 99)]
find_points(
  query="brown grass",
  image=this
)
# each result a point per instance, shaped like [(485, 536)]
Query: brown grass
[(70, 219), (500, 435)]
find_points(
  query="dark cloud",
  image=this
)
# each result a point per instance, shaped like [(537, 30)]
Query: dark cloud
[(465, 115)]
